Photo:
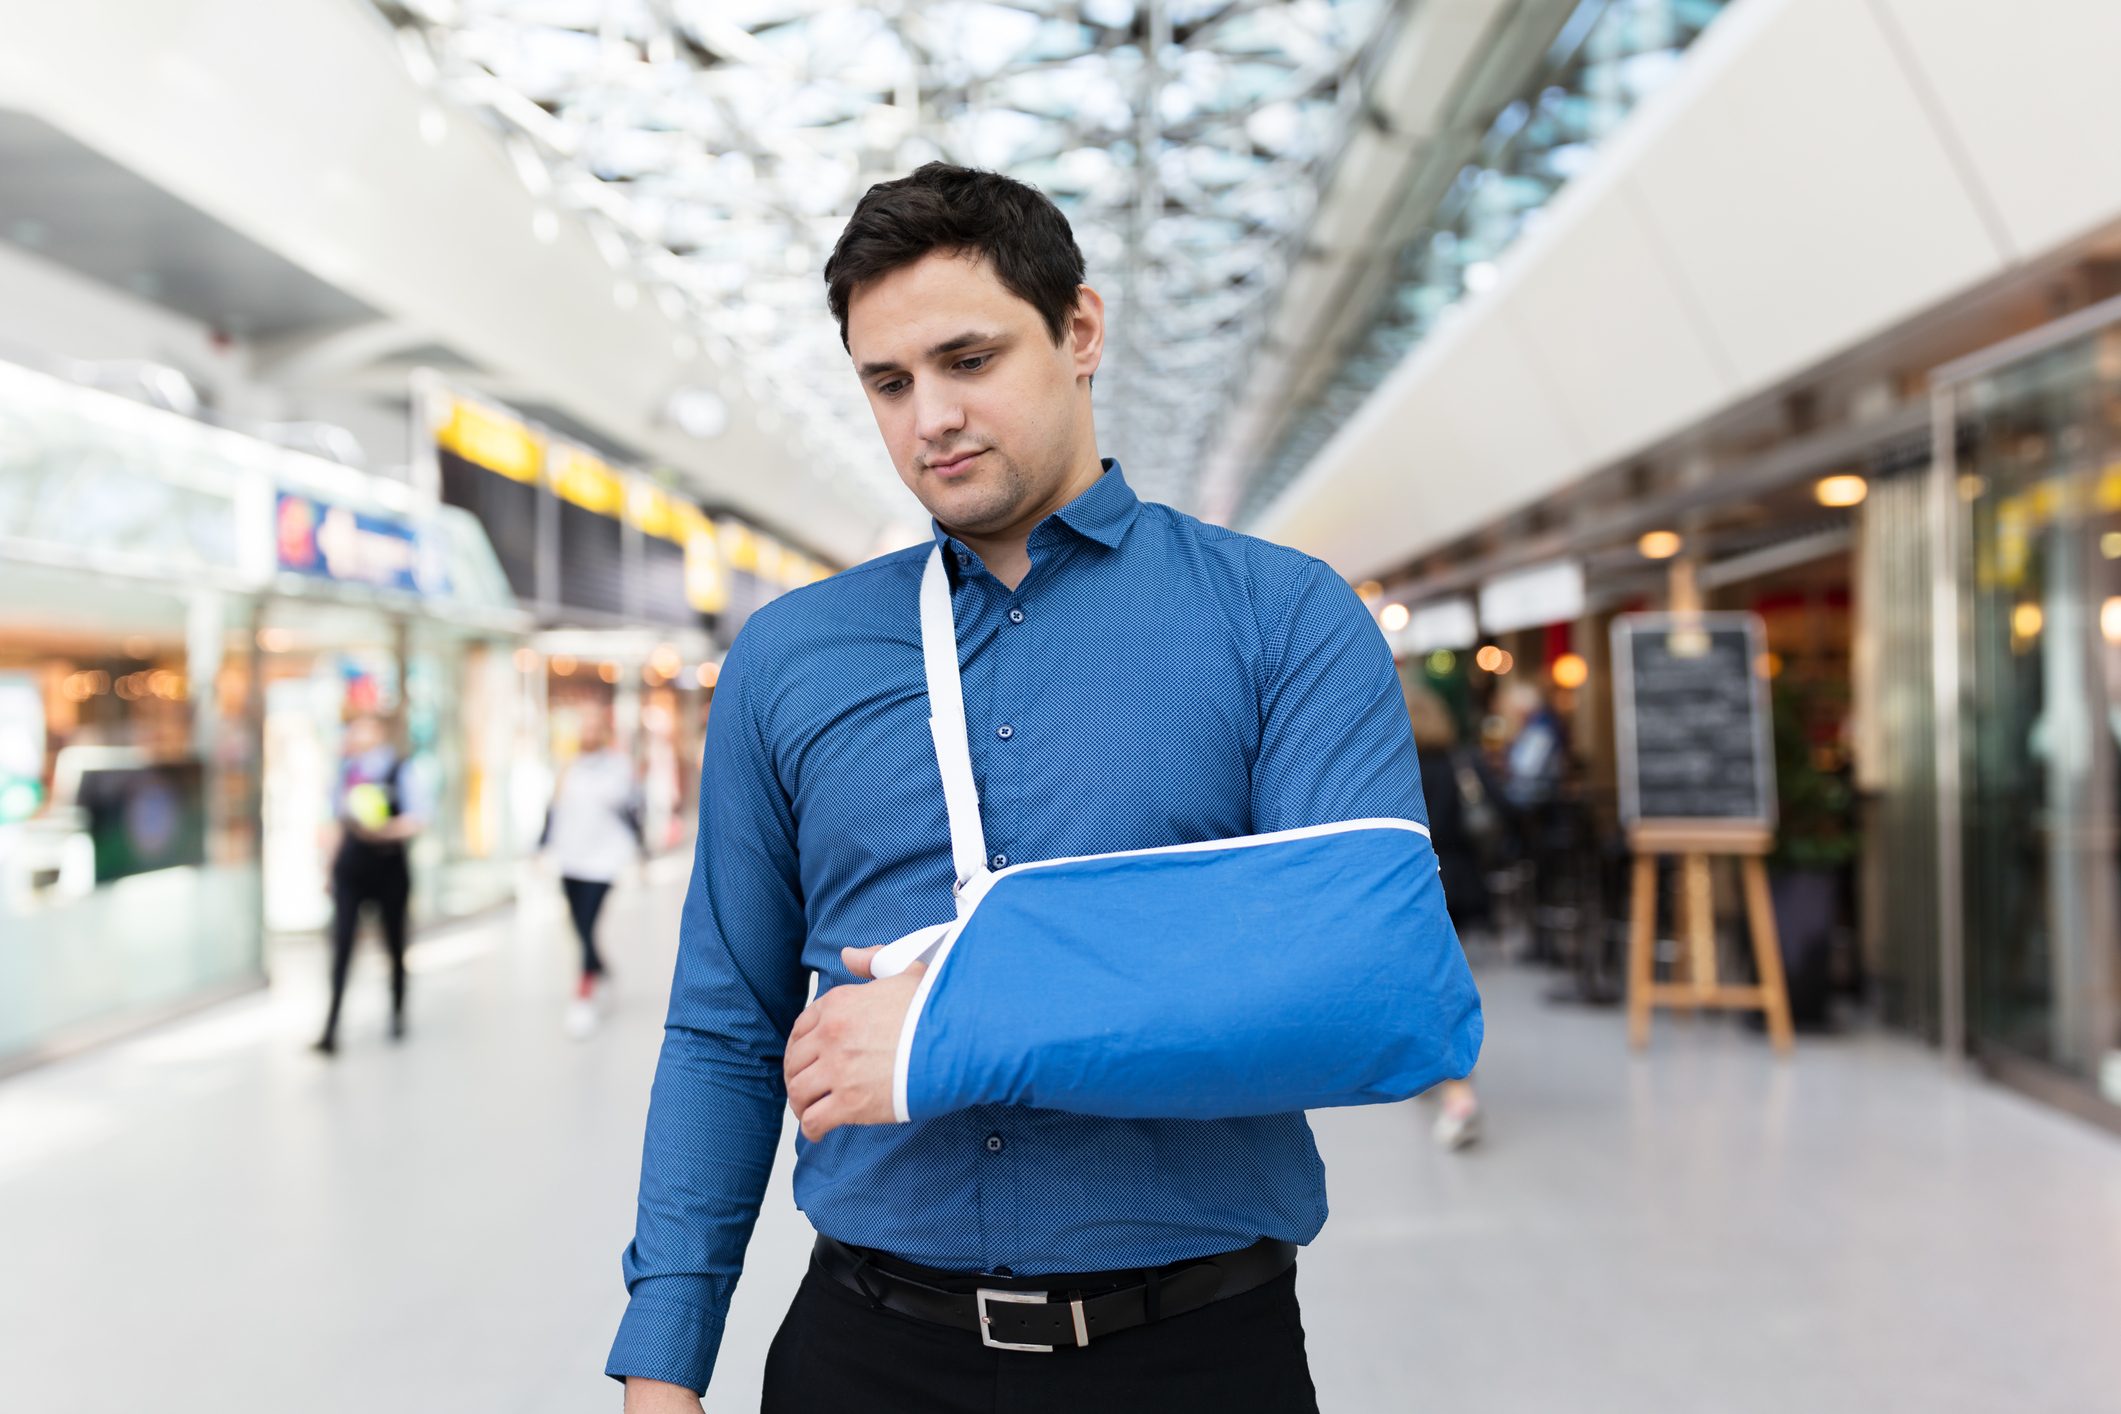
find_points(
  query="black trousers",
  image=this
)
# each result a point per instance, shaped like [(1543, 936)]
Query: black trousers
[(379, 879), (585, 899), (1241, 1355)]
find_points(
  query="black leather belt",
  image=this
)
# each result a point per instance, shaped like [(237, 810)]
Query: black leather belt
[(1062, 1311)]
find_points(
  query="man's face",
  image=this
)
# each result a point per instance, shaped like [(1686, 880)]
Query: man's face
[(983, 414)]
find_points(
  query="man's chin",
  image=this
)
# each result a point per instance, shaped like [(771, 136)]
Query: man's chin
[(972, 508)]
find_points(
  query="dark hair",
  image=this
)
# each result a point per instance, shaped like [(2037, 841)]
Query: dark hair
[(942, 207)]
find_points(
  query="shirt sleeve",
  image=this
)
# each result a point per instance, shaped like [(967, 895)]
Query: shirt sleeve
[(1335, 741), (714, 1113)]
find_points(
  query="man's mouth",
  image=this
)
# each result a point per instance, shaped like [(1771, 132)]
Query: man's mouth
[(955, 465)]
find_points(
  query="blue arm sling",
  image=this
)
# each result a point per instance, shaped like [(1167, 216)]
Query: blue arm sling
[(1295, 970)]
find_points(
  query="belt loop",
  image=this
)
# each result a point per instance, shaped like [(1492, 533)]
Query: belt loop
[(1151, 1298)]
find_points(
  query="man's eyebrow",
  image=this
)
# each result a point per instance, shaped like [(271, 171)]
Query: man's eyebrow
[(946, 347)]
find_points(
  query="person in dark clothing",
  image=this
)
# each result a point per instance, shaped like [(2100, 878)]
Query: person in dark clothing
[(1446, 774), (379, 810)]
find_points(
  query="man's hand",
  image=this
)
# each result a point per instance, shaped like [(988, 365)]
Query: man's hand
[(840, 1055), (656, 1397)]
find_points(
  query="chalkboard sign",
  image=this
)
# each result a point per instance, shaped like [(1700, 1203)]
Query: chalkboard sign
[(1692, 719)]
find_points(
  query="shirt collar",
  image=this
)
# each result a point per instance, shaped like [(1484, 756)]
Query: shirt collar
[(1102, 513)]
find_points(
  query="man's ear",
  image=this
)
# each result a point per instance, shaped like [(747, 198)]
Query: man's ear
[(1086, 331)]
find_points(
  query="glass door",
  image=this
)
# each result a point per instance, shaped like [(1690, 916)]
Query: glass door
[(2040, 477)]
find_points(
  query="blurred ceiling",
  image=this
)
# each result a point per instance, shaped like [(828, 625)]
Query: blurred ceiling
[(72, 205), (718, 146)]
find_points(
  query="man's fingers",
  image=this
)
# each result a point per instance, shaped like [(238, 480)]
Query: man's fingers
[(805, 1022), (860, 961), (823, 1117), (801, 1054), (806, 1088)]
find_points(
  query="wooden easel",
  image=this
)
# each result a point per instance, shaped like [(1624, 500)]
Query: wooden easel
[(1695, 843)]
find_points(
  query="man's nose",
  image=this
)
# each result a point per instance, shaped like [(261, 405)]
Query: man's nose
[(938, 418)]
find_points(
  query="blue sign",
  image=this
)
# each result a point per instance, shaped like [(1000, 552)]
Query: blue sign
[(338, 543)]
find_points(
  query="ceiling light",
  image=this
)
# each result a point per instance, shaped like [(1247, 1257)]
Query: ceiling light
[(697, 412), (1394, 618), (1660, 545), (2027, 620), (1841, 492), (1571, 671)]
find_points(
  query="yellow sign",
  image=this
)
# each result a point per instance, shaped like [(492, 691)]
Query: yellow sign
[(655, 511), (584, 480), (706, 587), (492, 439), (740, 547)]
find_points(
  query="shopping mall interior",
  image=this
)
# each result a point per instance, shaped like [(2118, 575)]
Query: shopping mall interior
[(1710, 410)]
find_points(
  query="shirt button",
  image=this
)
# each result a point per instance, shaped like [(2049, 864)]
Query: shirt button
[(1005, 731), (994, 1144), (1000, 861), (963, 558), (1016, 616)]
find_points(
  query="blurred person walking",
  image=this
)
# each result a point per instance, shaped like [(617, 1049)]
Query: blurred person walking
[(380, 808), (592, 833), (1459, 800)]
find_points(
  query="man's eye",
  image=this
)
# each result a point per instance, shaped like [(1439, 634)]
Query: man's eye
[(973, 364), (893, 388)]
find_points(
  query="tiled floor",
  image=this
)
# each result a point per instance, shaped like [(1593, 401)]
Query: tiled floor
[(209, 1218)]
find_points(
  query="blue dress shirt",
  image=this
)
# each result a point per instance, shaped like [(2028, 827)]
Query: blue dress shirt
[(1154, 680)]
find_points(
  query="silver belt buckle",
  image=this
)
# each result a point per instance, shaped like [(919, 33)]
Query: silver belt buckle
[(1023, 1298)]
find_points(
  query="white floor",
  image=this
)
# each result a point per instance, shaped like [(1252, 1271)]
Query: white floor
[(209, 1218)]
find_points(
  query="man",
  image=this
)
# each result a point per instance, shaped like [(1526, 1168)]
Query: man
[(1133, 678), (379, 809)]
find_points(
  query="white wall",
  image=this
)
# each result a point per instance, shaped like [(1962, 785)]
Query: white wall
[(1820, 171), (47, 309)]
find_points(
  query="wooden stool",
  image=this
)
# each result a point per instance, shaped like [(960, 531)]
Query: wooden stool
[(1694, 845)]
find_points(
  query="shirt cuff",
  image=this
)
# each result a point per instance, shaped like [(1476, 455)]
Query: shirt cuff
[(666, 1340)]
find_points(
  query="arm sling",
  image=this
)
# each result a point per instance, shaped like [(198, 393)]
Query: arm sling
[(1257, 975)]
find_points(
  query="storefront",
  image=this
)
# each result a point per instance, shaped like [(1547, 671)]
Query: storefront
[(186, 616), (2033, 478), (636, 589), (129, 778), (380, 604)]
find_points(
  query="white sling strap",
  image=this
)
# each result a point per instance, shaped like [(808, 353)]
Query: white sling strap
[(946, 723)]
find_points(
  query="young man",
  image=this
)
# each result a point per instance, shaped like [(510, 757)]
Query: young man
[(1133, 678)]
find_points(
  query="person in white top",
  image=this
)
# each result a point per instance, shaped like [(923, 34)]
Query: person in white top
[(592, 833)]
